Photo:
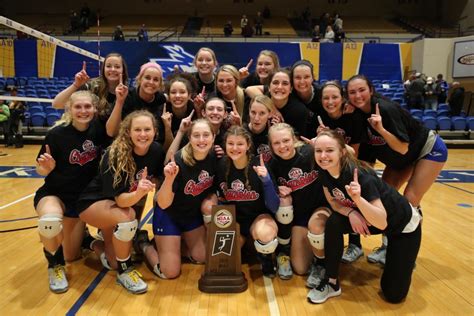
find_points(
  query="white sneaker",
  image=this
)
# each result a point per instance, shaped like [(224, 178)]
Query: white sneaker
[(378, 255), (316, 275), (57, 279), (285, 272), (132, 281), (324, 291), (352, 253), (104, 261)]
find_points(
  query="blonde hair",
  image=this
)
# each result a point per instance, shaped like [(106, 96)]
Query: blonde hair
[(273, 56), (143, 68), (66, 118), (265, 101), (205, 49), (240, 95), (121, 161), (187, 153), (282, 127)]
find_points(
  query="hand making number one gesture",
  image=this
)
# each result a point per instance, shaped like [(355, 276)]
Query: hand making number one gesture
[(353, 189), (261, 170), (46, 160)]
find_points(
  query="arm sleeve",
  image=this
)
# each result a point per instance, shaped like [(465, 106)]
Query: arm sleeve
[(272, 201)]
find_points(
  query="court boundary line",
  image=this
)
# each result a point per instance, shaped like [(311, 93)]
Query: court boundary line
[(271, 297), (452, 186), (16, 201)]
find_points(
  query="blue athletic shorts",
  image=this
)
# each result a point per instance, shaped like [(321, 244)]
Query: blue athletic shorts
[(439, 153), (164, 225)]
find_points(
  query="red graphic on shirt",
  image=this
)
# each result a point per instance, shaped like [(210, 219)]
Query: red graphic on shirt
[(340, 131), (205, 182), (298, 179), (374, 139), (81, 158), (339, 195), (265, 151), (138, 177), (238, 192)]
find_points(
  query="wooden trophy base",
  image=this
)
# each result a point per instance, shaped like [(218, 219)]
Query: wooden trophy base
[(223, 283)]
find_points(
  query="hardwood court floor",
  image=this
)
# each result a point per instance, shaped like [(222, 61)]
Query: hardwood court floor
[(443, 282)]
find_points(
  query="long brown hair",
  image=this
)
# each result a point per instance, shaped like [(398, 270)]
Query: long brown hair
[(187, 153)]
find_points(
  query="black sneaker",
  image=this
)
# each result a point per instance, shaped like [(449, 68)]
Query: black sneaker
[(323, 291), (268, 264)]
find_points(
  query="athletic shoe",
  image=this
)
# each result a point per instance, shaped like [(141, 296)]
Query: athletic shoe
[(132, 281), (316, 275), (104, 261), (352, 253), (268, 264), (378, 255), (57, 279), (324, 291), (285, 272)]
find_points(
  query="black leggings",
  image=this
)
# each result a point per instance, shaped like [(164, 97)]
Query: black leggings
[(402, 250)]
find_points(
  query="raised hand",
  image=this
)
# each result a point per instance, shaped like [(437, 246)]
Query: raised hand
[(308, 141), (186, 122), (261, 170), (171, 169), (353, 189), (199, 100), (348, 108), (121, 91), (219, 151), (321, 126), (46, 160), (244, 71), (81, 77), (276, 117), (166, 117), (145, 185), (235, 118), (375, 120)]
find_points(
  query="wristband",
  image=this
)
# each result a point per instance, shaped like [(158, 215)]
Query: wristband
[(350, 213)]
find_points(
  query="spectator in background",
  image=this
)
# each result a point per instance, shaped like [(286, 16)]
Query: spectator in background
[(316, 36), (228, 29), (266, 12), (456, 98), (142, 34), (337, 23), (118, 34), (431, 94), (75, 22), (243, 23), (443, 89), (15, 124), (259, 24), (416, 92), (4, 117), (329, 35), (85, 15)]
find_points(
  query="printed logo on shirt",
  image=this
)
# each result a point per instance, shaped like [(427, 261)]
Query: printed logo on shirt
[(81, 158), (238, 192), (264, 150), (340, 131), (298, 179), (205, 182), (374, 139), (339, 195)]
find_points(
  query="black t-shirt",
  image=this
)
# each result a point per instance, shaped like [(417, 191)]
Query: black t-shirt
[(352, 127), (300, 173), (372, 187), (191, 186), (260, 143), (77, 156), (242, 188), (101, 187), (210, 86), (401, 125), (252, 80), (297, 115), (175, 122)]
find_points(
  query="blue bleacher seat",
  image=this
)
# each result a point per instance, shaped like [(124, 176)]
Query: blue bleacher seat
[(429, 112), (51, 118), (49, 109), (416, 112), (35, 109), (21, 81), (398, 95), (430, 122), (443, 113), (470, 122), (38, 119), (444, 123), (43, 94), (27, 121), (10, 81), (398, 100), (459, 123), (443, 107)]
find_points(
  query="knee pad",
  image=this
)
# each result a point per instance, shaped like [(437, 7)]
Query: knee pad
[(206, 218), (284, 215), (126, 231), (50, 225), (284, 241), (316, 241), (267, 248), (157, 271)]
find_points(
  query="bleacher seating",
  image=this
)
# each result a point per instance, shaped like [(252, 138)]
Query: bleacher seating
[(430, 122)]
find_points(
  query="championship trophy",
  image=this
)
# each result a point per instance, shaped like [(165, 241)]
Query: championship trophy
[(223, 271)]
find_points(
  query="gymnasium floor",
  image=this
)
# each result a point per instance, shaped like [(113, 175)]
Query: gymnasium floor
[(443, 282)]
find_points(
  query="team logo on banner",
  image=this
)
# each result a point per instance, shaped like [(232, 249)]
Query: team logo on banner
[(177, 57), (223, 243), (223, 219)]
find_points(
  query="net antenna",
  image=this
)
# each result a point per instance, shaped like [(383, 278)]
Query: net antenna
[(47, 38)]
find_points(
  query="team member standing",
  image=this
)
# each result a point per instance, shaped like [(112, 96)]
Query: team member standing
[(128, 172), (113, 69), (188, 183), (267, 63), (411, 152), (365, 204), (244, 180), (69, 159)]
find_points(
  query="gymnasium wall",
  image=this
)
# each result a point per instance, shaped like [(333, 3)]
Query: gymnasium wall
[(332, 61)]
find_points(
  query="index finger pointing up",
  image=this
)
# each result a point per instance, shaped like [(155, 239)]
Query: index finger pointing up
[(191, 114), (320, 121), (84, 65), (121, 79), (164, 108), (48, 150), (356, 176), (203, 92), (262, 163), (145, 173), (249, 63), (377, 110)]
